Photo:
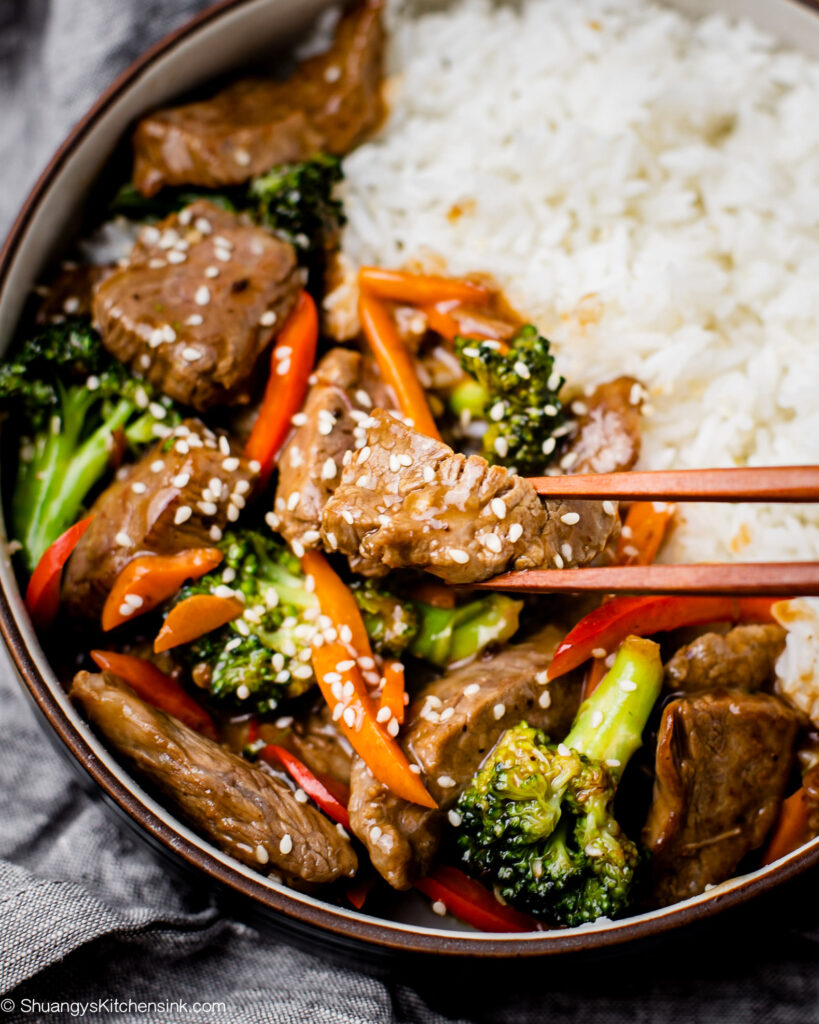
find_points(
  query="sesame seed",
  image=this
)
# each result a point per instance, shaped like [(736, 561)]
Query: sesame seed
[(428, 474), (207, 508), (346, 665), (202, 296), (299, 419), (123, 539), (395, 465), (384, 715), (597, 718), (545, 699), (598, 652), (190, 354), (446, 781), (454, 818), (183, 514), (349, 717), (195, 319), (570, 518), (548, 446), (593, 851), (498, 506), (471, 690), (268, 318), (550, 410), (566, 551), (157, 466), (492, 542), (612, 762), (375, 833), (439, 908), (501, 447), (563, 750), (415, 769), (177, 257), (286, 844), (515, 532), (221, 254), (293, 500), (458, 555), (609, 508), (202, 225), (346, 634), (568, 460), (347, 516), (126, 609), (497, 411), (138, 487), (553, 383), (262, 856), (242, 692), (329, 470), (392, 727), (498, 711), (542, 678), (522, 370), (558, 560), (628, 685)]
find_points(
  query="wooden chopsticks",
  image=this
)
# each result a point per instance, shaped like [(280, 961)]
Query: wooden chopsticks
[(769, 483), (769, 579)]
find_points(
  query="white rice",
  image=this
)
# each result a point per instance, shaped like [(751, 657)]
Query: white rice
[(646, 189)]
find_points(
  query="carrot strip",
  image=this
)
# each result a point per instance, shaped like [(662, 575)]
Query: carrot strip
[(419, 289), (395, 363), (156, 688), (392, 694), (357, 892), (336, 600), (792, 829), (343, 688), (595, 674), (291, 363), (311, 785), (148, 580), (643, 532), (194, 617), (437, 594), (43, 590)]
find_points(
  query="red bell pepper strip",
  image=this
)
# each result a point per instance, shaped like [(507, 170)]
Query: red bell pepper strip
[(419, 289), (303, 777), (607, 626), (471, 903), (154, 687), (43, 590), (343, 688), (194, 617), (395, 363), (148, 580), (792, 829), (291, 363), (358, 891)]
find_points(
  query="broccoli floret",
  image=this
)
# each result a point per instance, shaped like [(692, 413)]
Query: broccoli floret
[(391, 622), (296, 203), (68, 399), (518, 396), (264, 656), (538, 818), (398, 626)]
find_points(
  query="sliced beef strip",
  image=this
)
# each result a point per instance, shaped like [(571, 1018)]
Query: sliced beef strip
[(70, 292), (346, 388), (608, 432), (330, 103), (722, 764), (199, 300), (743, 658), (168, 502), (451, 726), (244, 810), (408, 501)]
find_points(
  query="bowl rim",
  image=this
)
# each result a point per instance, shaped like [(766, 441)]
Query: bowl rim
[(315, 914)]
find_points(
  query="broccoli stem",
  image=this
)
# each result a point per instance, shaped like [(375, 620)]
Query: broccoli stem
[(624, 699), (448, 635), (55, 481)]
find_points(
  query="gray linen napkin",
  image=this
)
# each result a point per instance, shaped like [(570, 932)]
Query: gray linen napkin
[(88, 913)]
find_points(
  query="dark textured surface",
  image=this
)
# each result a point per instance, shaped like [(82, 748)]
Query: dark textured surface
[(87, 912)]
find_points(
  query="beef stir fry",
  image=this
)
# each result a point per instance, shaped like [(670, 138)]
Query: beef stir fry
[(257, 544)]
